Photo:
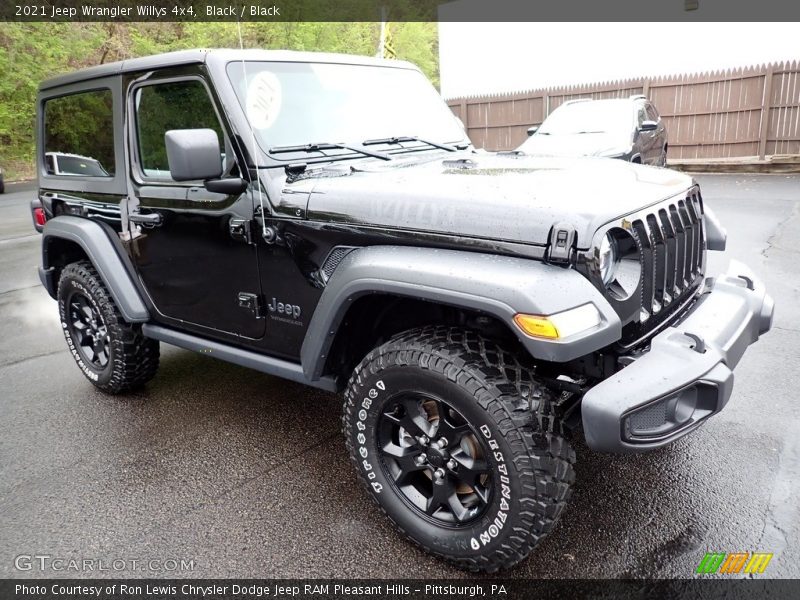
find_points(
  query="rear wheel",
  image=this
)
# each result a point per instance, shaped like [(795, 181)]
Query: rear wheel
[(459, 446), (112, 353)]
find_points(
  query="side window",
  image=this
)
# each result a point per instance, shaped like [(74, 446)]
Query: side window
[(652, 113), (79, 134), (165, 106)]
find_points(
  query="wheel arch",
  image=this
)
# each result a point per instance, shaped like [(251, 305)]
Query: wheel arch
[(463, 283), (68, 239), (372, 319)]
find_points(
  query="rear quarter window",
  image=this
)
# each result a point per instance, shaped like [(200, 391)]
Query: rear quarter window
[(79, 135)]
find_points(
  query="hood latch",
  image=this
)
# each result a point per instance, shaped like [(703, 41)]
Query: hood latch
[(561, 244)]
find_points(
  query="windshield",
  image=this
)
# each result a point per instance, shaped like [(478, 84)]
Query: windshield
[(291, 104), (599, 116)]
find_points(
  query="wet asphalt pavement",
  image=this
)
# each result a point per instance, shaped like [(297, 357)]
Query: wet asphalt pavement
[(247, 474)]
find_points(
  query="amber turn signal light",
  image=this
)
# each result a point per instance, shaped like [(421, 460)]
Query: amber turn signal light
[(536, 326)]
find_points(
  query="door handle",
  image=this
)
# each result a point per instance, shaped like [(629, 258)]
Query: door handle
[(151, 219)]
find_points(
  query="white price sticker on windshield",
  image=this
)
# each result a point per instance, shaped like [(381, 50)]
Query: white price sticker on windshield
[(263, 100)]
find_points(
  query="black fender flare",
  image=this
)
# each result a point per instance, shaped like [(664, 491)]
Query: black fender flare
[(107, 257), (501, 286)]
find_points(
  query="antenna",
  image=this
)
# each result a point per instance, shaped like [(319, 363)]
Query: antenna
[(264, 233)]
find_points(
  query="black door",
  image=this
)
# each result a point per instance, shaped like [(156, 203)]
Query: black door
[(192, 265)]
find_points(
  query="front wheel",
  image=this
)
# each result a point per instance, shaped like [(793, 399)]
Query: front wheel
[(459, 446)]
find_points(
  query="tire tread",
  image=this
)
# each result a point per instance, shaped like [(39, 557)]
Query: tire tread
[(136, 357)]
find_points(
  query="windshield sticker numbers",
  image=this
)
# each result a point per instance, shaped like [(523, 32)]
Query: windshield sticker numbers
[(263, 100)]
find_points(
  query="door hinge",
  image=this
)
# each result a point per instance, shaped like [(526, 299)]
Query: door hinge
[(240, 230), (253, 303), (561, 243)]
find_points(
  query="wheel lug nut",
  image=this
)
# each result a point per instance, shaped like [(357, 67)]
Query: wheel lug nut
[(420, 460), (451, 464), (438, 474), (424, 440), (442, 443)]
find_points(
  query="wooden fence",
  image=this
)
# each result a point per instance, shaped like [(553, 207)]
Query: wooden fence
[(752, 111)]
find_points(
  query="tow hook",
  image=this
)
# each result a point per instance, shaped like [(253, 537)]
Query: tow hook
[(699, 344)]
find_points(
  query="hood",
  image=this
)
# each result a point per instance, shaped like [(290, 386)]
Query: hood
[(577, 144), (491, 196)]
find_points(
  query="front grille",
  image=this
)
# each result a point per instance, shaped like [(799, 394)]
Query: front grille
[(672, 244)]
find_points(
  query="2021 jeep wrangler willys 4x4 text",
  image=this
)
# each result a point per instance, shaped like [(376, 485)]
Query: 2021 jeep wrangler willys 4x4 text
[(325, 219)]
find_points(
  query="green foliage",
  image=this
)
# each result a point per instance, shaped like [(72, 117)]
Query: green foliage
[(31, 52)]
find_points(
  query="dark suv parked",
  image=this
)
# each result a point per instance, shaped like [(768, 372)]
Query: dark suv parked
[(324, 219), (630, 129)]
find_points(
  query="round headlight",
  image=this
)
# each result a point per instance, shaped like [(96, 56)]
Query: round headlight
[(607, 260), (618, 263)]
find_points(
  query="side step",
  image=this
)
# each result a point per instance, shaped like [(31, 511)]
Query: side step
[(245, 358)]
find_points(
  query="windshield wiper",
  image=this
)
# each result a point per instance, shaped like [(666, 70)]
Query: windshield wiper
[(408, 138), (327, 146)]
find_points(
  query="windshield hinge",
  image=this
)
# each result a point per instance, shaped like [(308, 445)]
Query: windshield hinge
[(561, 245)]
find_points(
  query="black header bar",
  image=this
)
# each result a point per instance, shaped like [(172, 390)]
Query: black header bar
[(400, 589), (400, 10)]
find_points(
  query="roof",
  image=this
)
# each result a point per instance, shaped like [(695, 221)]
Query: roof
[(186, 57)]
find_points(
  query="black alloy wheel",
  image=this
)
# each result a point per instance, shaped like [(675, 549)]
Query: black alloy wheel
[(435, 458), (88, 330)]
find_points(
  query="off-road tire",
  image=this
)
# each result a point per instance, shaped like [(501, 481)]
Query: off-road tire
[(501, 398), (132, 358)]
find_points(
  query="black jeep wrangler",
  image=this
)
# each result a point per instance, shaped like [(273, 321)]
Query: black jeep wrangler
[(325, 219)]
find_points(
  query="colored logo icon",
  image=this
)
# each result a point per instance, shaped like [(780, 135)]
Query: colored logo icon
[(734, 562)]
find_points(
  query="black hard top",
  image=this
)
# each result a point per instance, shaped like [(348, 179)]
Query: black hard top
[(187, 57)]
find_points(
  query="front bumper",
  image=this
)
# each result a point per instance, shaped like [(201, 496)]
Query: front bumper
[(686, 376)]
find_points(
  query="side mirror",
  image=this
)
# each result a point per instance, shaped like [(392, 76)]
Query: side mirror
[(532, 130), (648, 126), (231, 186), (193, 154)]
